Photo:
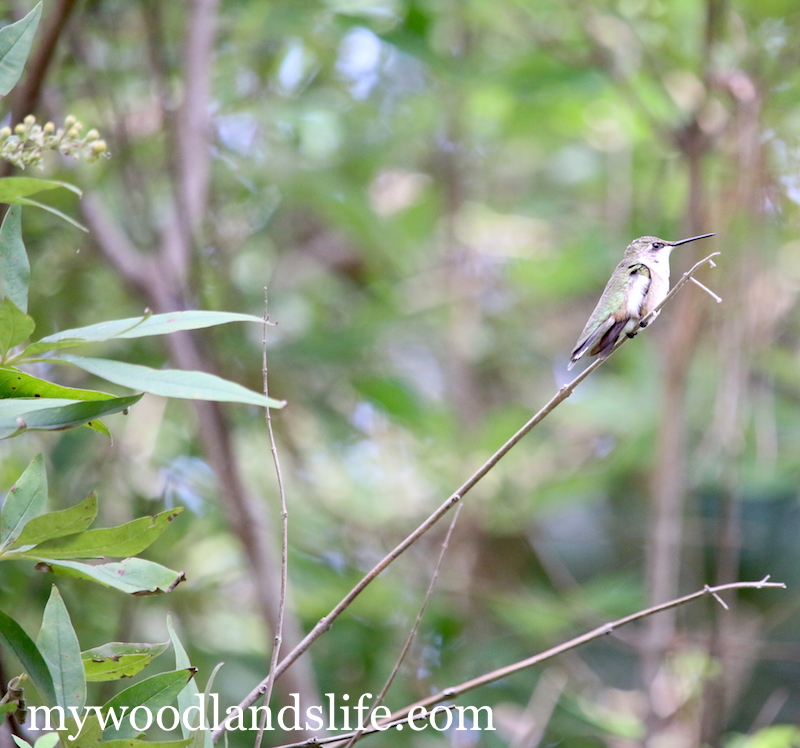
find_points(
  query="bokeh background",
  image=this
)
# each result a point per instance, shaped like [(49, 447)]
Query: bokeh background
[(435, 193)]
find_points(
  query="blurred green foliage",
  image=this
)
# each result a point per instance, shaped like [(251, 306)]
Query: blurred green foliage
[(435, 194)]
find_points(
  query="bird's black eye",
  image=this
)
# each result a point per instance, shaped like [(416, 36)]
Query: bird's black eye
[(658, 245)]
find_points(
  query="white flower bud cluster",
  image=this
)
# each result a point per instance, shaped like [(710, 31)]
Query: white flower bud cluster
[(25, 145)]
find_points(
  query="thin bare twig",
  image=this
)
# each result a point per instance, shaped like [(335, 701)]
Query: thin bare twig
[(504, 672), (278, 638), (717, 597), (325, 623), (714, 296), (413, 633), (543, 701)]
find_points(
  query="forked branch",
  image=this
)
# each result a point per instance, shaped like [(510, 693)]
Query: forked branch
[(401, 716)]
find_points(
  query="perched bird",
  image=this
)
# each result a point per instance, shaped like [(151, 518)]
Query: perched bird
[(638, 285)]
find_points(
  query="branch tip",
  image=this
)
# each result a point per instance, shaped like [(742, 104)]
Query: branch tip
[(714, 296), (716, 596)]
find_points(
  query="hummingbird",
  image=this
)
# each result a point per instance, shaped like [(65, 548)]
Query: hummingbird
[(638, 285)]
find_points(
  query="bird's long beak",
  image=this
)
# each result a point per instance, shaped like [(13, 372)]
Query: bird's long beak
[(691, 239)]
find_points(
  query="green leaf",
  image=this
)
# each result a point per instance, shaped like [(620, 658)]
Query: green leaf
[(125, 540), (187, 385), (15, 326), (148, 325), (8, 708), (47, 741), (134, 743), (59, 646), (16, 383), (15, 270), (18, 415), (152, 693), (89, 736), (117, 660), (15, 190), (136, 576), (51, 209), (15, 639), (26, 499), (15, 44), (58, 524), (188, 696), (36, 349)]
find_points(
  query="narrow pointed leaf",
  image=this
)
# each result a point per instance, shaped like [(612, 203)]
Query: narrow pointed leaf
[(59, 524), (26, 499), (15, 326), (59, 647), (51, 209), (188, 696), (117, 660), (36, 349), (16, 383), (15, 270), (14, 638), (134, 743), (188, 385), (145, 326), (15, 45), (125, 540), (136, 576), (22, 414), (13, 189), (152, 693)]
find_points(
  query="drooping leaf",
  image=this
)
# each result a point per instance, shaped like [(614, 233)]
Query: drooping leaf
[(26, 499), (117, 660), (136, 576), (15, 190), (26, 414), (15, 45), (15, 326), (15, 270), (187, 385), (15, 639), (152, 693), (125, 540), (51, 209), (58, 644), (58, 524)]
